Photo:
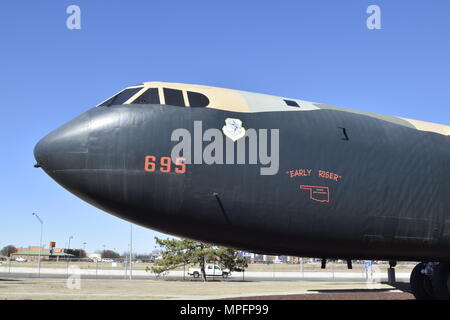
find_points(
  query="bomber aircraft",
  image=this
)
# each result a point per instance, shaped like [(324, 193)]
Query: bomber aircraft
[(265, 174)]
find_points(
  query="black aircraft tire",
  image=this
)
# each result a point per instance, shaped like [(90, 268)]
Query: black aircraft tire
[(420, 284), (441, 274), (428, 286)]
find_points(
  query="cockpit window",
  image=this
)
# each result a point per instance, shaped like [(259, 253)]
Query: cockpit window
[(197, 100), (174, 97), (150, 96), (121, 97), (292, 103)]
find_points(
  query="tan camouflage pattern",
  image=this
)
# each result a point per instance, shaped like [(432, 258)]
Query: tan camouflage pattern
[(243, 101)]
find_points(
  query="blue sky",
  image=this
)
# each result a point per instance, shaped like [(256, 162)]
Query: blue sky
[(317, 50)]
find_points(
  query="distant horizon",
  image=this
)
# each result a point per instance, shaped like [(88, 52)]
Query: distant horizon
[(47, 248)]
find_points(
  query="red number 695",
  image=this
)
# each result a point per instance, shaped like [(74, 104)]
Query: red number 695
[(165, 164)]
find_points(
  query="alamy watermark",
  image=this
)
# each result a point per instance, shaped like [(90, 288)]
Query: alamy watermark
[(374, 20), (74, 280), (231, 145), (373, 276), (73, 22)]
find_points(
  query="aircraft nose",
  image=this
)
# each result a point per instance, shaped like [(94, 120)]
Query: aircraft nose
[(65, 147)]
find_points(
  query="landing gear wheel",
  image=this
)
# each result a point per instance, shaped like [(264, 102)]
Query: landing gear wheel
[(440, 281), (421, 286), (428, 286)]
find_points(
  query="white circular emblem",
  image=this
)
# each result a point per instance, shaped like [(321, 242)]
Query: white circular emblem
[(233, 129)]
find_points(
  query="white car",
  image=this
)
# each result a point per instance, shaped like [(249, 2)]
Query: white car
[(277, 261), (20, 259), (211, 270)]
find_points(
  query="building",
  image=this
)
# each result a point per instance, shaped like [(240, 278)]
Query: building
[(32, 253), (94, 256)]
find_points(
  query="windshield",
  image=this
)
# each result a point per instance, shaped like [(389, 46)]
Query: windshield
[(121, 97)]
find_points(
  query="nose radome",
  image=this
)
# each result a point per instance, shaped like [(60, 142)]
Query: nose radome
[(65, 147)]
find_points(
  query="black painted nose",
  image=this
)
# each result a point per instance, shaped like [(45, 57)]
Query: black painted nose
[(81, 155), (66, 147)]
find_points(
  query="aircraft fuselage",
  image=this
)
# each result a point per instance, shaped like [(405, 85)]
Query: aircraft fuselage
[(347, 185)]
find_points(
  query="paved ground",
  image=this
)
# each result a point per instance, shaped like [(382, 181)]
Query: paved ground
[(278, 273), (90, 289), (252, 267), (187, 278), (351, 295)]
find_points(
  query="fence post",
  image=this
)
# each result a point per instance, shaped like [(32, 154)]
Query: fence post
[(332, 268), (9, 269), (96, 269), (301, 268)]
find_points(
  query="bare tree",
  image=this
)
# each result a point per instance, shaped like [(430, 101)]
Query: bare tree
[(8, 250)]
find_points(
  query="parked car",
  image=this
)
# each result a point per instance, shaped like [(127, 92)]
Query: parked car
[(211, 270), (277, 261), (20, 259)]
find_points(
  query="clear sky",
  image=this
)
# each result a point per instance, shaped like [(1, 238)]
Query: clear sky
[(316, 50)]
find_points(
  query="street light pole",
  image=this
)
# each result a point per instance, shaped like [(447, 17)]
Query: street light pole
[(70, 238), (131, 250), (40, 243), (67, 257)]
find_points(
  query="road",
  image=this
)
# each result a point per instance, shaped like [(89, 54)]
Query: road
[(180, 277)]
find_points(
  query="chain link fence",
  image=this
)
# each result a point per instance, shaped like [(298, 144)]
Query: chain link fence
[(121, 269)]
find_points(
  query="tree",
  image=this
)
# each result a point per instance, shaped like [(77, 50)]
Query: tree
[(8, 250), (230, 259), (109, 254), (180, 252), (143, 257), (77, 253)]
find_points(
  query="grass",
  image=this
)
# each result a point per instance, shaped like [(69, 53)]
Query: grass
[(56, 289)]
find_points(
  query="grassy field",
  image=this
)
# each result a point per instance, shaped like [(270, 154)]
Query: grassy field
[(58, 289)]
